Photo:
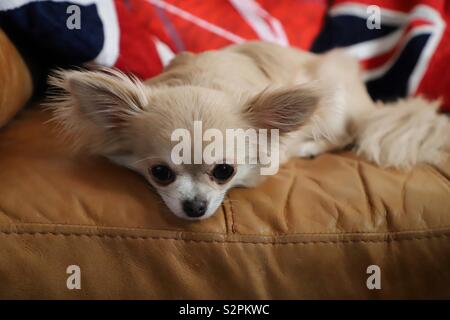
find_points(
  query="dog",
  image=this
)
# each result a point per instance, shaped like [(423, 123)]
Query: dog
[(316, 103)]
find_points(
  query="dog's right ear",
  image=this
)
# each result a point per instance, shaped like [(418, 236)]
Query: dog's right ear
[(96, 103), (105, 96)]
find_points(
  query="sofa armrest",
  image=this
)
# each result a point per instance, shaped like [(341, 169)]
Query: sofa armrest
[(16, 85)]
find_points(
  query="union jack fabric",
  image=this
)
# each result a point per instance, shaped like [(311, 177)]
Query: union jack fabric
[(408, 53)]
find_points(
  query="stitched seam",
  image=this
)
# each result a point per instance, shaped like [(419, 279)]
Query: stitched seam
[(346, 233), (233, 226), (224, 209), (436, 229), (127, 237), (70, 225)]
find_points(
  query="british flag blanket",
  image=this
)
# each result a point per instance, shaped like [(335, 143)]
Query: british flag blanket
[(403, 45)]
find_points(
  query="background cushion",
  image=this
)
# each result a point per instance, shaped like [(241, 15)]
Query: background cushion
[(15, 80), (407, 53), (309, 232)]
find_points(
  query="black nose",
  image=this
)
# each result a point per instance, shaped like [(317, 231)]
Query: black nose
[(194, 208)]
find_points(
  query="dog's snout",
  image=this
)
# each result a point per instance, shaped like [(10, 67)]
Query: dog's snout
[(194, 208)]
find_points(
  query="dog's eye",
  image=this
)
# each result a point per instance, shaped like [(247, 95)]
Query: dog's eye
[(163, 174), (223, 172)]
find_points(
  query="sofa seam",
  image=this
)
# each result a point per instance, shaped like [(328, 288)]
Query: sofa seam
[(233, 226), (129, 237), (63, 225), (224, 210)]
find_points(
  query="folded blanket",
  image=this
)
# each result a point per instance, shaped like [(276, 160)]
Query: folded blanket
[(404, 45)]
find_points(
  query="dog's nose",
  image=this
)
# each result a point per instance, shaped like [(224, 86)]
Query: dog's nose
[(194, 208)]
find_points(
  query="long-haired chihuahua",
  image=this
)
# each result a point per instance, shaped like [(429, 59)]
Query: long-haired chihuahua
[(316, 103)]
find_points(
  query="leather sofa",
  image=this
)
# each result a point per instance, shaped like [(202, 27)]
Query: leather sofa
[(311, 232)]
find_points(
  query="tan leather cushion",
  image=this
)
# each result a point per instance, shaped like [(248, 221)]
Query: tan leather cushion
[(309, 232), (15, 80)]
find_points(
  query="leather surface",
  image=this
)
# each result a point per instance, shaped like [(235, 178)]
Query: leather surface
[(309, 232), (15, 80)]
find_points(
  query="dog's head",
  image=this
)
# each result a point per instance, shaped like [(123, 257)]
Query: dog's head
[(154, 130)]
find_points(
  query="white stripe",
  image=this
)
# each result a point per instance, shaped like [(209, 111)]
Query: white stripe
[(254, 15), (360, 10), (430, 48), (371, 48), (110, 51), (197, 21), (164, 52)]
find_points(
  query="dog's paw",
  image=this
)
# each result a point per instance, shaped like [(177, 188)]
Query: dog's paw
[(310, 149)]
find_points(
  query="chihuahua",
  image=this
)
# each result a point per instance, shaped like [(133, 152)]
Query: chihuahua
[(310, 103)]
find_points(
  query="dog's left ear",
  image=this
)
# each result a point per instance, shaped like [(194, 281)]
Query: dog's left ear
[(286, 108)]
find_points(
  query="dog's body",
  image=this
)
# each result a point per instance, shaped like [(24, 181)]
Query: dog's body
[(317, 102), (345, 113), (248, 69)]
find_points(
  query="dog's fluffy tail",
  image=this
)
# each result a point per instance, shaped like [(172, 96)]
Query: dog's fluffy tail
[(405, 133)]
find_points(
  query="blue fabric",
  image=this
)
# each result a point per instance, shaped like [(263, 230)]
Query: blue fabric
[(43, 25)]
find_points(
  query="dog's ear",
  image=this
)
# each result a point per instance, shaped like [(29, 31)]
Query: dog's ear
[(93, 106), (105, 96), (286, 108)]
